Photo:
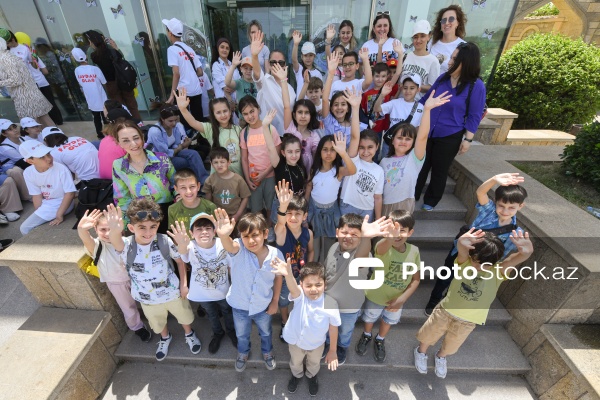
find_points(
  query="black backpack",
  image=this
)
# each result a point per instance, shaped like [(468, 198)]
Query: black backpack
[(125, 74), (94, 194)]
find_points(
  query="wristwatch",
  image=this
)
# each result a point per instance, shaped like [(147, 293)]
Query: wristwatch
[(468, 140), (280, 213)]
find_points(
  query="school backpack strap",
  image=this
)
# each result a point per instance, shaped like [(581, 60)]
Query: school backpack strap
[(245, 133), (163, 246), (98, 252), (188, 56), (501, 230)]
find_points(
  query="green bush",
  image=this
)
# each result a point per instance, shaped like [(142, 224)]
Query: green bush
[(544, 11), (550, 80), (582, 158)]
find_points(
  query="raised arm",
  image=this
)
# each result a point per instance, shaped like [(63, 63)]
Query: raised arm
[(505, 179), (180, 236), (114, 217), (399, 49), (332, 64), (423, 131), (385, 90), (329, 35), (284, 195), (280, 73), (182, 103), (340, 147), (524, 247), (302, 92), (282, 268), (224, 229), (364, 55), (86, 223), (235, 61), (256, 46), (467, 242), (370, 230), (297, 38), (353, 98)]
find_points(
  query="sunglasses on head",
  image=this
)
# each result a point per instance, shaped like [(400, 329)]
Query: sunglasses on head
[(280, 62), (382, 13), (148, 214), (462, 45), (449, 20)]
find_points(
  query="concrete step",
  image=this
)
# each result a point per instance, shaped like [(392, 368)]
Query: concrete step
[(450, 185), (137, 380), (450, 207), (488, 350), (435, 233)]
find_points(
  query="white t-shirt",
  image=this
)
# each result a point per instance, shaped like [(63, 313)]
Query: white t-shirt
[(359, 189), (52, 185), (80, 156), (269, 97), (91, 79), (443, 51), (399, 110), (152, 280), (340, 86), (401, 175), (24, 54), (110, 266), (300, 77), (387, 50), (210, 274), (206, 86), (427, 67), (187, 75), (325, 187), (219, 72)]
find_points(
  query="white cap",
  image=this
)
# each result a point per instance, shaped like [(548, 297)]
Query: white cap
[(246, 60), (308, 48), (29, 122), (4, 124), (421, 26), (78, 54), (47, 131), (175, 26), (33, 148), (413, 77)]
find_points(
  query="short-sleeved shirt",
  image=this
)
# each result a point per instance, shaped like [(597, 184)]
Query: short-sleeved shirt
[(80, 156), (401, 175), (258, 153), (470, 299), (309, 144), (110, 265), (340, 86), (251, 284), (309, 321), (153, 281), (91, 79), (387, 50), (245, 88), (399, 110), (359, 189), (210, 271), (349, 299), (367, 102), (227, 193), (179, 212), (296, 249), (188, 77), (229, 138), (393, 266), (427, 67), (443, 52), (52, 185)]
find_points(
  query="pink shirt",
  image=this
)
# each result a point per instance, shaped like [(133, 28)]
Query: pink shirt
[(309, 145), (108, 152), (258, 153)]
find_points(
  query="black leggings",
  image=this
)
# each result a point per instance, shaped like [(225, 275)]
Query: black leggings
[(54, 113), (99, 119)]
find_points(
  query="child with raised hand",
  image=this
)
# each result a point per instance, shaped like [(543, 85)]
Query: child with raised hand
[(254, 291), (405, 159), (302, 121), (209, 281), (220, 131), (111, 268), (350, 66), (468, 301), (385, 303), (314, 315), (307, 63), (331, 165), (243, 86), (292, 238)]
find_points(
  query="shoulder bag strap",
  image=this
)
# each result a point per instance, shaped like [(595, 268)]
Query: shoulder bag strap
[(188, 56)]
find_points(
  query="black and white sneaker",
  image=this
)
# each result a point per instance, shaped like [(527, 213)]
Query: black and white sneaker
[(163, 348), (379, 347), (341, 354), (363, 342)]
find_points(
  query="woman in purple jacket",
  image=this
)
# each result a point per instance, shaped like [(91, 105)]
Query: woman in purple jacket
[(454, 124)]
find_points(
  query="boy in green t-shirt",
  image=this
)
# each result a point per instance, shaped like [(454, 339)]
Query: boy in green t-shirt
[(386, 301), (245, 85), (468, 300), (187, 187)]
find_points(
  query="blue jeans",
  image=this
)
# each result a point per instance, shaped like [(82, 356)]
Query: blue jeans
[(346, 208), (187, 158), (243, 329), (212, 310), (346, 329)]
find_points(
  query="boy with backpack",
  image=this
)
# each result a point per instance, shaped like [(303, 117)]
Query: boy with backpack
[(149, 258)]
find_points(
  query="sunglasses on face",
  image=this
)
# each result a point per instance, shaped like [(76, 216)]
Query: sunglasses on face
[(382, 13), (280, 62), (448, 20), (350, 64), (148, 214)]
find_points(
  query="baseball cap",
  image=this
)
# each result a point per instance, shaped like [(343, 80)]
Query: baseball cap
[(202, 215), (246, 60), (4, 124), (78, 54), (421, 26), (414, 77), (175, 26), (308, 48), (392, 62), (28, 122), (47, 131), (33, 148)]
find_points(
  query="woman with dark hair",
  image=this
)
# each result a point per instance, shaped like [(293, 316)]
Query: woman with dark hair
[(221, 63), (454, 124), (381, 45), (448, 31), (254, 27), (102, 57)]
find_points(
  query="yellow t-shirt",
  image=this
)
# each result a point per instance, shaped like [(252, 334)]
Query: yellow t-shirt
[(393, 284), (470, 299)]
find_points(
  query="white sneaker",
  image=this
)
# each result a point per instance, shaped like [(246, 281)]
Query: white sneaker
[(163, 348), (420, 361), (3, 220), (194, 343), (441, 366), (12, 216)]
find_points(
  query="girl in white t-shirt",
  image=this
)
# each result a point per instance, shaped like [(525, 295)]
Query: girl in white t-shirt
[(381, 45), (405, 159)]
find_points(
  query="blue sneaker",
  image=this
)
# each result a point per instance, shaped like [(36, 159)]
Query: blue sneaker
[(426, 207)]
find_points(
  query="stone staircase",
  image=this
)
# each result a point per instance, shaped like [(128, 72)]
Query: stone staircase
[(487, 357)]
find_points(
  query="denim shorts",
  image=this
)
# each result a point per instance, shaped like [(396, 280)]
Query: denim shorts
[(372, 311), (346, 208)]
